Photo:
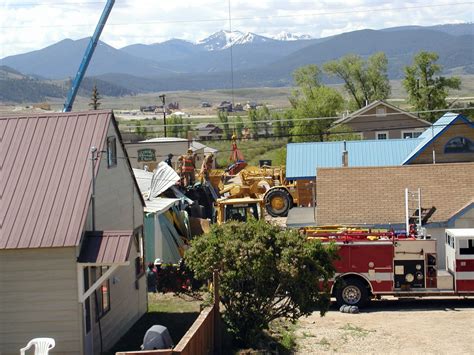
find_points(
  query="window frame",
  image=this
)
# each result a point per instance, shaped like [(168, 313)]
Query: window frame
[(380, 114), (466, 151), (111, 151), (140, 267), (101, 308), (412, 131), (382, 132)]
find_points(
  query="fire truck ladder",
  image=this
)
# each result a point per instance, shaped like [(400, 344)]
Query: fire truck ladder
[(412, 210), (415, 214)]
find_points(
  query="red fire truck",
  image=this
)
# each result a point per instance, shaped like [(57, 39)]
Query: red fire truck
[(375, 263)]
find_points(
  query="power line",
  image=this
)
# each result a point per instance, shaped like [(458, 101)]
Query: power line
[(301, 119), (268, 17), (324, 133)]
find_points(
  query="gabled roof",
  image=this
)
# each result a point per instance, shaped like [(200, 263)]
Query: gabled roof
[(205, 126), (196, 146), (302, 159), (164, 140), (364, 109), (46, 177), (447, 120)]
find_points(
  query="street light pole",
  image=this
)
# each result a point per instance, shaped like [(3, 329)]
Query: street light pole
[(162, 97)]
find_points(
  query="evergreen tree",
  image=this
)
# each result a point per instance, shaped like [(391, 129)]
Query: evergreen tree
[(95, 97)]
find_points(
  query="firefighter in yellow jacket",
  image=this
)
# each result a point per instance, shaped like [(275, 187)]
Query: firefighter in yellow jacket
[(188, 168)]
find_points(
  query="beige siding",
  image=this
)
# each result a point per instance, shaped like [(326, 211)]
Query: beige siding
[(118, 204), (118, 207), (394, 122), (127, 305), (458, 129), (38, 298), (466, 220)]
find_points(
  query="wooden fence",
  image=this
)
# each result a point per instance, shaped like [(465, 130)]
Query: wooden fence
[(203, 337)]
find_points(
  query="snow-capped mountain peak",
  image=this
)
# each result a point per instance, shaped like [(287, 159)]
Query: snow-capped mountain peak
[(249, 37), (287, 36), (220, 40), (225, 39)]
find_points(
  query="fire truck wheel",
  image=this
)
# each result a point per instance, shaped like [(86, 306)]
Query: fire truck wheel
[(352, 292), (277, 202)]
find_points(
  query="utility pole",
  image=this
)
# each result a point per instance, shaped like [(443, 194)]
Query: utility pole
[(162, 97)]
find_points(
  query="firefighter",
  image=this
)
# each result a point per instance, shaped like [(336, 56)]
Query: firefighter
[(188, 168), (206, 167)]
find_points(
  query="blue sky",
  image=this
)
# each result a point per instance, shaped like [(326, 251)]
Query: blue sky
[(32, 24)]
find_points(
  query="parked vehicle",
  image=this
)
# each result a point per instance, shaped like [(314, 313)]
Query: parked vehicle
[(376, 263)]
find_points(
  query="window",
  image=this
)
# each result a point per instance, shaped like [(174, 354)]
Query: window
[(381, 135), (469, 248), (459, 145), (87, 303), (411, 134), (140, 259), (102, 294), (111, 152), (380, 111)]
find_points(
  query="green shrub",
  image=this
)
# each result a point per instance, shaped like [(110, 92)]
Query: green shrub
[(265, 273)]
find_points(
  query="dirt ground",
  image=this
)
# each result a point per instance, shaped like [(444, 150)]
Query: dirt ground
[(410, 326)]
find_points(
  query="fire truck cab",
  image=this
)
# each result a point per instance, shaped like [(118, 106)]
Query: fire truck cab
[(373, 265)]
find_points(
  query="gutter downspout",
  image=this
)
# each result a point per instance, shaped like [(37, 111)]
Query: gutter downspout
[(93, 159)]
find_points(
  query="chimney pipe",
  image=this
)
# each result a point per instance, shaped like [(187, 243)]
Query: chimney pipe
[(345, 156)]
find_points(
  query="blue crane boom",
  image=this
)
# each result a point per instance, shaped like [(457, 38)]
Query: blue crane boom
[(87, 56)]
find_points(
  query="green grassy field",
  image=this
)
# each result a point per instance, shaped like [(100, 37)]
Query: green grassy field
[(275, 98)]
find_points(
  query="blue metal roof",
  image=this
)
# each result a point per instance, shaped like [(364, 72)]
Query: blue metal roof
[(302, 159), (434, 131)]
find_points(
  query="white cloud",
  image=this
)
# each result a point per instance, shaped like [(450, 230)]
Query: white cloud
[(33, 24)]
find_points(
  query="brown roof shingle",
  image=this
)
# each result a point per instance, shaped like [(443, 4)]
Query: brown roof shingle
[(45, 183)]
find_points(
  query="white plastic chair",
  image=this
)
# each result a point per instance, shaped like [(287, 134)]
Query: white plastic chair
[(42, 346)]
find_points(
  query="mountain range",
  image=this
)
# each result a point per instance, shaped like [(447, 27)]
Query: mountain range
[(255, 60)]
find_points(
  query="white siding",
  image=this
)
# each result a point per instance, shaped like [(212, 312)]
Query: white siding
[(162, 149), (38, 298)]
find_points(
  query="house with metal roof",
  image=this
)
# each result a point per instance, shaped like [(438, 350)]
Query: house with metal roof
[(71, 222), (449, 140), (381, 120)]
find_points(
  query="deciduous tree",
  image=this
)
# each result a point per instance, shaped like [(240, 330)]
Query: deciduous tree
[(311, 99), (427, 91), (364, 81)]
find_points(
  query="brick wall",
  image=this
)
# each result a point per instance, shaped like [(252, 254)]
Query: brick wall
[(376, 195)]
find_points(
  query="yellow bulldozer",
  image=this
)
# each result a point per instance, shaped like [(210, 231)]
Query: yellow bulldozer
[(266, 186)]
